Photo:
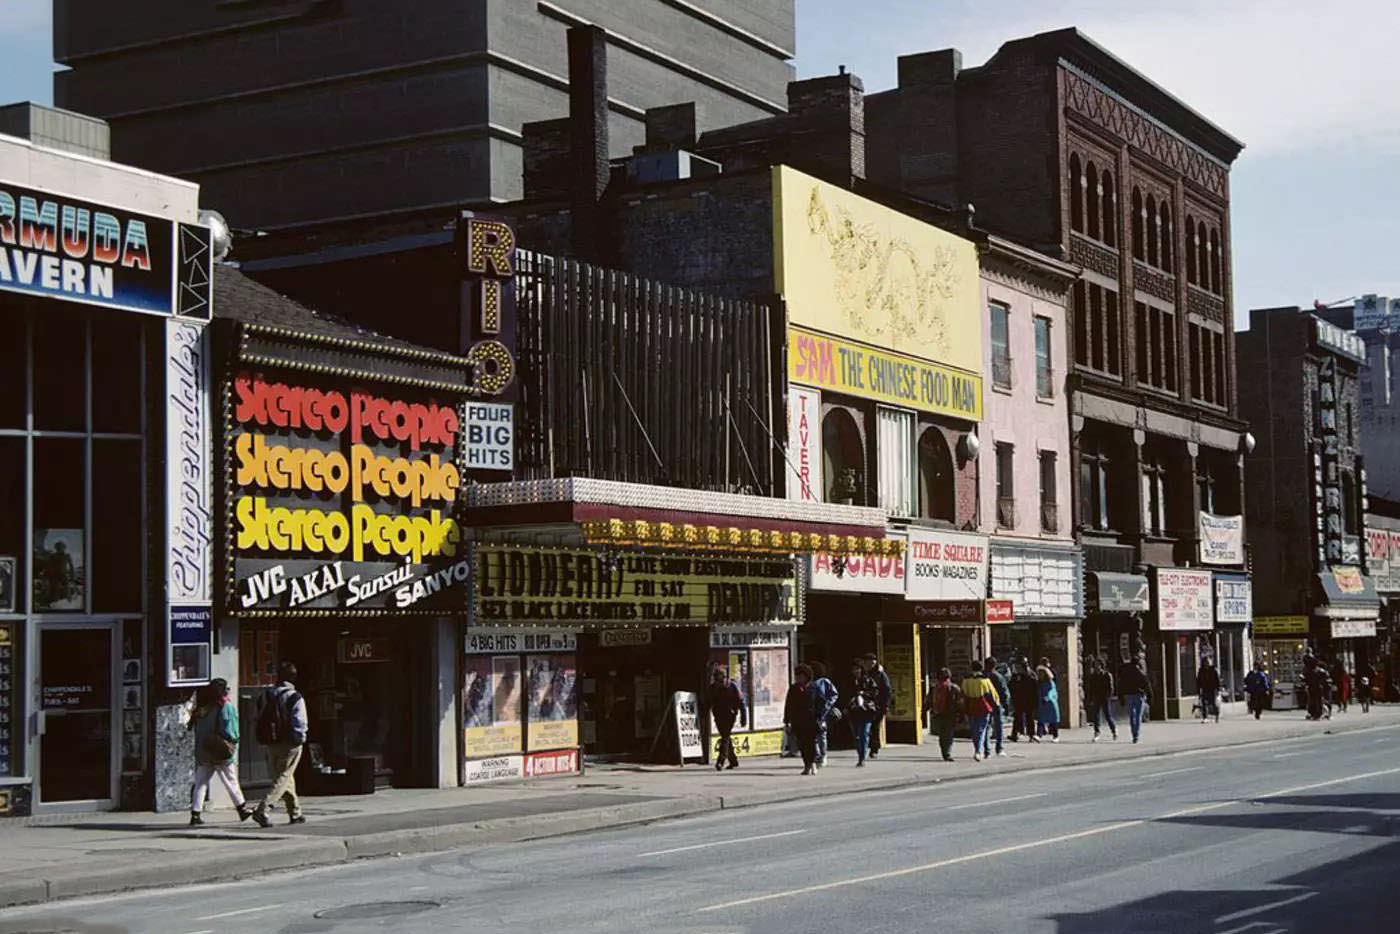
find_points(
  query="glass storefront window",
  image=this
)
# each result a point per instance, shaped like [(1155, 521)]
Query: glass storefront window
[(60, 564), (13, 561), (1186, 660), (13, 382), (116, 509), (116, 373), (60, 369)]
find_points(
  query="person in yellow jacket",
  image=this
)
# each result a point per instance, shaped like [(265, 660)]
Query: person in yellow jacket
[(980, 698)]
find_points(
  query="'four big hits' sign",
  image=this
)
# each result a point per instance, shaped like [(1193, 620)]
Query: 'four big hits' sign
[(342, 495)]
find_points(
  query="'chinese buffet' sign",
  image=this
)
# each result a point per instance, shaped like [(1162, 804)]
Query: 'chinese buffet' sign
[(1184, 599), (342, 498), (578, 586)]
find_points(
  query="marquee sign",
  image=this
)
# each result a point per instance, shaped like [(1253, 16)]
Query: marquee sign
[(551, 585), (341, 497)]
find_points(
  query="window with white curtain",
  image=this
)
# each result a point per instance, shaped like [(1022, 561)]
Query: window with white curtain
[(897, 456)]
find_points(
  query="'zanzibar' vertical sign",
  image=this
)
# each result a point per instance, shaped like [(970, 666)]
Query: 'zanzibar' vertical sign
[(1331, 537), (189, 505)]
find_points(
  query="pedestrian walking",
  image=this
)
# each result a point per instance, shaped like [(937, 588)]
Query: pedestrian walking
[(1098, 696), (861, 709), (282, 729), (1208, 686), (1342, 680), (1047, 710), (1024, 697), (994, 722), (827, 697), (883, 699), (214, 722), (1137, 691), (800, 716), (726, 703), (1365, 682), (945, 705), (979, 700), (1314, 687), (1256, 690)]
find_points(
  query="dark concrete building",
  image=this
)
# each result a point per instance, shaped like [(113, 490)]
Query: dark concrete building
[(1061, 145), (292, 112), (1306, 490)]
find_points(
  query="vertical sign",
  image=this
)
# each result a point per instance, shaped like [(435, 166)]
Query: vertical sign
[(804, 470), (189, 508), (1331, 476), (488, 325)]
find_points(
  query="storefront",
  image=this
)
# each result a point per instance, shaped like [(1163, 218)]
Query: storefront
[(1345, 618), (103, 277), (652, 599), (1230, 648), (1279, 644), (342, 462), (1045, 587), (1184, 618), (1115, 604)]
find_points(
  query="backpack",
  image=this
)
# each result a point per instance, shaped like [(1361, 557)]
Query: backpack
[(275, 716)]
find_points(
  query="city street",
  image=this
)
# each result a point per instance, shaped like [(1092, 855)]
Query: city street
[(1289, 836)]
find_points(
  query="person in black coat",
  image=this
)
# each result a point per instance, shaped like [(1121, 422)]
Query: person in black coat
[(800, 714), (726, 704), (1208, 684), (883, 699), (1024, 697)]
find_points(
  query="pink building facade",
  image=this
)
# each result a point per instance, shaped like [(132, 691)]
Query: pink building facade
[(1024, 483)]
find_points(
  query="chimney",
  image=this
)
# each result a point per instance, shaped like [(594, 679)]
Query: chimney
[(828, 114), (925, 129), (670, 127), (588, 136)]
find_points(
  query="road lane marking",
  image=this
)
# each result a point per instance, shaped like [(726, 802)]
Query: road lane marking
[(984, 804), (1237, 915), (1029, 845), (1194, 768), (1269, 928), (701, 846), (205, 931), (241, 911), (1286, 755)]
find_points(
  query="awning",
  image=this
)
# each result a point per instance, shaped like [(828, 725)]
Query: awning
[(1112, 592), (1348, 594)]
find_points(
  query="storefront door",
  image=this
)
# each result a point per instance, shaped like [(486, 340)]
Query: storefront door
[(77, 706)]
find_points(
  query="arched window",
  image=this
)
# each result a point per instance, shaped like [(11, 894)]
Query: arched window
[(1110, 209), (1215, 261), (1202, 256), (1091, 193), (1076, 194), (936, 493), (1139, 214), (1191, 249), (1152, 230), (1168, 238), (843, 459)]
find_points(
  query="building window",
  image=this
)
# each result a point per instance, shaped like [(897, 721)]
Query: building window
[(1115, 347), (1191, 257), (894, 450), (1218, 345), (1110, 212), (1152, 230), (1215, 261), (1044, 360), (936, 486), (1154, 496), (1091, 197), (1156, 347), (1139, 219), (1049, 506), (843, 459), (1006, 486), (1001, 345), (1076, 194), (1168, 235), (1093, 485)]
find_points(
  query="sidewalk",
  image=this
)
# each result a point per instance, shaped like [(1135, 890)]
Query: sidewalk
[(50, 857)]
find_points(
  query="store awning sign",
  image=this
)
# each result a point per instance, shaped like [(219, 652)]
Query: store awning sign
[(857, 573), (1110, 592), (999, 611)]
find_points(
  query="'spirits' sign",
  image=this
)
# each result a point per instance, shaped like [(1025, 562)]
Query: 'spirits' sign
[(546, 584), (64, 248), (842, 366), (342, 497)]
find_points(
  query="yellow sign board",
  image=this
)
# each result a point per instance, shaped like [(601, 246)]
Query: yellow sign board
[(836, 365), (1280, 625), (853, 268), (765, 743)]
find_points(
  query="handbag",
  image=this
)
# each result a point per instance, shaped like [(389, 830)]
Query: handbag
[(217, 747)]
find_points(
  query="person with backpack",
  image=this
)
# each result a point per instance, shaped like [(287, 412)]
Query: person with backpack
[(726, 703), (979, 700), (945, 704), (282, 729), (994, 723), (884, 698), (214, 722), (1256, 690), (861, 709), (827, 696)]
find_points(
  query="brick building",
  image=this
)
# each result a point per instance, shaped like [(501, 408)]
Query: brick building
[(303, 111), (1061, 145), (1306, 491)]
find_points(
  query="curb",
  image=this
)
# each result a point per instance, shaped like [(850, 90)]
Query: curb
[(110, 876)]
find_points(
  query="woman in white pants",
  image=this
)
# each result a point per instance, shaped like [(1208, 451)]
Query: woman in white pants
[(214, 721)]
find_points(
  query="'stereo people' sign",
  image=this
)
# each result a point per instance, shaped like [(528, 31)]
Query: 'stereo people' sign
[(341, 492)]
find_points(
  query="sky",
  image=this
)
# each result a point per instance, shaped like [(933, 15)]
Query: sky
[(1309, 88)]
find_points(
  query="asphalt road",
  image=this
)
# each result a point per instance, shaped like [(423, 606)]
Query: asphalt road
[(1296, 836)]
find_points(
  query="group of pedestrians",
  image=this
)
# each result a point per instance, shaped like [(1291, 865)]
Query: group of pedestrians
[(814, 704), (281, 729), (985, 699), (1329, 686)]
